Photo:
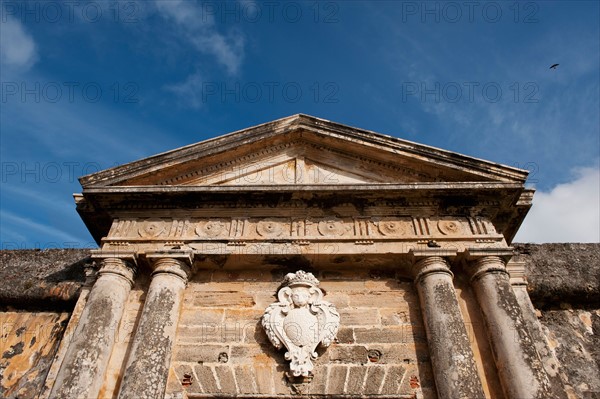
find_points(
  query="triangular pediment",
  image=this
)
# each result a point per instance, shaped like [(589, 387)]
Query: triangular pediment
[(303, 150), (297, 163), (294, 170)]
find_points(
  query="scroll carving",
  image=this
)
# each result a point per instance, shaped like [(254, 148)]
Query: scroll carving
[(300, 321)]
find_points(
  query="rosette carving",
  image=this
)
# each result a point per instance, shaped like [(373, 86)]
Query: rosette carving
[(151, 228), (449, 227), (392, 227), (270, 228), (211, 228), (331, 227)]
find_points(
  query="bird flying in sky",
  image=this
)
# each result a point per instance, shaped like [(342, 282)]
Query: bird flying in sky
[(554, 66)]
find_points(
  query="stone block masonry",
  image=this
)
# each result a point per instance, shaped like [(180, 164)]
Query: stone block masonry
[(221, 348)]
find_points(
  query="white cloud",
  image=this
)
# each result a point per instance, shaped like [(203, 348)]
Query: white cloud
[(197, 26), (190, 91), (17, 48), (570, 212)]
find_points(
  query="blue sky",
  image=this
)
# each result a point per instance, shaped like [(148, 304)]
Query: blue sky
[(90, 85)]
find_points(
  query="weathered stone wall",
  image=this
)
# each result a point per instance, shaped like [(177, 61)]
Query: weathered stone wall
[(28, 343), (38, 290), (564, 286), (221, 344), (221, 347)]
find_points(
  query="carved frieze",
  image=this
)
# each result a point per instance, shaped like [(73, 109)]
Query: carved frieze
[(359, 229), (300, 321)]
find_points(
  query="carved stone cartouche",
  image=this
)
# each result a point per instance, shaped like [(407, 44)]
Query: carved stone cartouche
[(300, 321)]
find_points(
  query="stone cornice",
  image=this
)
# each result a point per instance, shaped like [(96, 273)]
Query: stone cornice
[(320, 188)]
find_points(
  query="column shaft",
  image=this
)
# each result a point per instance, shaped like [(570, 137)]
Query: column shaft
[(81, 373), (519, 366), (148, 363), (452, 359)]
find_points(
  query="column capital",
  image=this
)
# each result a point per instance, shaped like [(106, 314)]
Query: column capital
[(175, 262), (130, 256), (482, 261), (430, 261), (504, 253), (119, 263), (418, 254)]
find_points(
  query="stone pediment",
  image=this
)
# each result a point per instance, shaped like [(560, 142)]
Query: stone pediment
[(303, 150), (302, 164), (292, 169)]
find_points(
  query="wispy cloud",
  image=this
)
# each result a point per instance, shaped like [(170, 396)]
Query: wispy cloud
[(36, 195), (189, 91), (570, 212), (198, 28), (17, 47), (65, 130), (24, 224)]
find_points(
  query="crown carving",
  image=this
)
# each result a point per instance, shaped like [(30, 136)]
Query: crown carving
[(300, 278)]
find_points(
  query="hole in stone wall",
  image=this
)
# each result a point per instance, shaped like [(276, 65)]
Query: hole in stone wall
[(374, 355), (223, 357), (187, 380)]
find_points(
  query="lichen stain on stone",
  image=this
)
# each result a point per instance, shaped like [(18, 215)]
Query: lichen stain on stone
[(507, 301), (14, 350), (445, 298), (577, 368), (25, 369), (459, 368), (155, 347), (88, 348)]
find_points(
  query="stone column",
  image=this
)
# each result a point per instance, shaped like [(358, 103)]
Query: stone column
[(519, 366), (81, 373), (452, 360), (148, 363)]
